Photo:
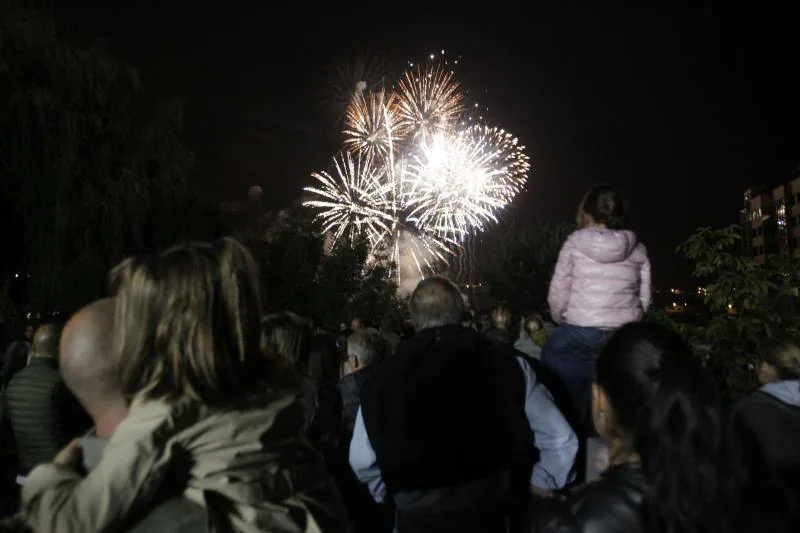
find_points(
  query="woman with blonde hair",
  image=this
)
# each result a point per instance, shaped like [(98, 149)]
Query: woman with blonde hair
[(210, 415)]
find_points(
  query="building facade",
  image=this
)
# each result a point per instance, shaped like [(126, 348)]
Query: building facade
[(770, 221)]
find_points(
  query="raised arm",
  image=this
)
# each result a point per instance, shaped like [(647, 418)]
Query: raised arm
[(561, 283)]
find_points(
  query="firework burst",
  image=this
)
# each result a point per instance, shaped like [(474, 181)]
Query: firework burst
[(372, 124), (460, 181), (353, 200), (430, 101), (412, 180)]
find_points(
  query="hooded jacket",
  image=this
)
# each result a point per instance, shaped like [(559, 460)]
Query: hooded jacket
[(601, 280), (249, 467), (767, 428)]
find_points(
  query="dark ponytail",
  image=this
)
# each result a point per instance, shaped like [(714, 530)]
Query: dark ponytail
[(606, 206), (668, 406)]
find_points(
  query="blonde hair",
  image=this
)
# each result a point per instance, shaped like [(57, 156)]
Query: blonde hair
[(187, 323), (784, 354)]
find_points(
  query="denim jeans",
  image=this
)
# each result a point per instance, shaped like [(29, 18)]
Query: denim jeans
[(571, 352)]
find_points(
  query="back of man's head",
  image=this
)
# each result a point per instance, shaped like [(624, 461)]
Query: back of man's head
[(45, 341), (87, 362), (367, 345), (436, 302)]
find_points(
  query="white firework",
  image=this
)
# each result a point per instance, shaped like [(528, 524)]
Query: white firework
[(459, 182), (354, 200), (412, 182)]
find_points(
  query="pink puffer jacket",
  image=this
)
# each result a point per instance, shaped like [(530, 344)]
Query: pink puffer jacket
[(602, 280)]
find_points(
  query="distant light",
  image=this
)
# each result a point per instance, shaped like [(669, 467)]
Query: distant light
[(456, 61), (442, 52), (432, 56), (730, 306), (674, 304), (16, 275)]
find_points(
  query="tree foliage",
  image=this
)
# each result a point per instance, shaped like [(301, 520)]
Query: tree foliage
[(299, 274), (520, 262), (90, 172), (749, 303)]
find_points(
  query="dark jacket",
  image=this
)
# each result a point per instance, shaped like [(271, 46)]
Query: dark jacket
[(447, 409), (500, 336), (323, 407), (350, 389), (44, 415), (767, 433), (611, 504)]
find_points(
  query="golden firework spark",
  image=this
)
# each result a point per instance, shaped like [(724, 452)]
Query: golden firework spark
[(430, 101)]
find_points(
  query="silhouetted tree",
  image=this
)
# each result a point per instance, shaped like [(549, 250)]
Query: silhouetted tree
[(520, 260), (90, 173), (299, 274)]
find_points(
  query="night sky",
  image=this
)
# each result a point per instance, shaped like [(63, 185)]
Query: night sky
[(681, 113)]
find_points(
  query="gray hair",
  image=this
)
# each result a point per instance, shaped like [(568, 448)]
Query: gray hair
[(436, 302), (367, 344)]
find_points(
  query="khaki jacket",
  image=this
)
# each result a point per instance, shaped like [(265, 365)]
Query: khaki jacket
[(250, 468)]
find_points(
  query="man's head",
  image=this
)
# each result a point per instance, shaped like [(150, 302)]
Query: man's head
[(501, 316), (45, 341), (87, 364), (365, 347), (436, 302), (287, 337), (356, 323)]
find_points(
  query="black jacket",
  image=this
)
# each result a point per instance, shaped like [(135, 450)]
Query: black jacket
[(350, 389), (323, 407), (447, 409), (44, 415), (611, 504), (16, 358), (767, 434)]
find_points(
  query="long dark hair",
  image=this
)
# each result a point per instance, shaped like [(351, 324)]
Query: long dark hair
[(668, 406)]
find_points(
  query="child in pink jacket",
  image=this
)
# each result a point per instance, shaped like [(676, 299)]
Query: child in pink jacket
[(601, 282)]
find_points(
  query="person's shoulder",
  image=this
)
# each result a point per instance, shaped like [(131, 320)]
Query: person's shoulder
[(753, 408), (612, 503)]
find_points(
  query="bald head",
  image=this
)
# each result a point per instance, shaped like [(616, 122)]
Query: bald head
[(45, 341), (86, 358), (436, 302)]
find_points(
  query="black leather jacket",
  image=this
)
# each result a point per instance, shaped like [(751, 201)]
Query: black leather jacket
[(611, 504)]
